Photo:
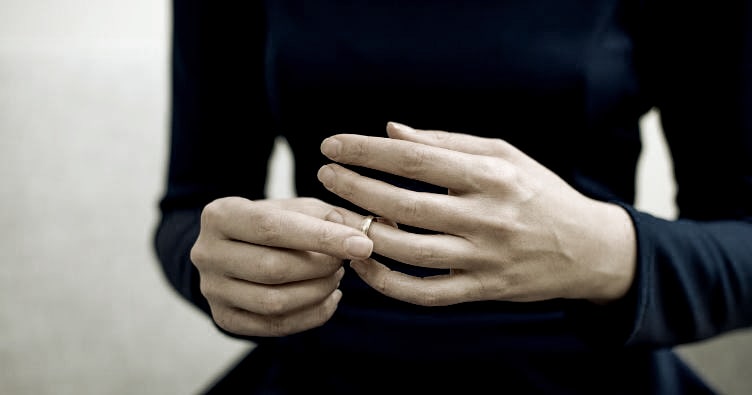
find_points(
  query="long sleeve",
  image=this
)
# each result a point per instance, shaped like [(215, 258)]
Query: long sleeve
[(545, 76), (221, 125), (698, 270), (694, 274)]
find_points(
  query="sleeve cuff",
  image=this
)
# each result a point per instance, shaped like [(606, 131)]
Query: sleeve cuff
[(617, 324)]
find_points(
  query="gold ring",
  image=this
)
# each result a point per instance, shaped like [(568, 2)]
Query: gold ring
[(366, 224)]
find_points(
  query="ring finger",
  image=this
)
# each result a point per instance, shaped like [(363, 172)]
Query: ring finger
[(438, 251), (419, 209)]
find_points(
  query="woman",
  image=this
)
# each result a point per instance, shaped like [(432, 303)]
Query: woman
[(504, 253)]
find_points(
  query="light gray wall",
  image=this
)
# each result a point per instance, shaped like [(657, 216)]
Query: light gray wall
[(83, 306)]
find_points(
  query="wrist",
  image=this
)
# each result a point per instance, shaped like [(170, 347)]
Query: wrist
[(613, 259)]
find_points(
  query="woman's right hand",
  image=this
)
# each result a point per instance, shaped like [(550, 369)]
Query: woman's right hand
[(272, 267)]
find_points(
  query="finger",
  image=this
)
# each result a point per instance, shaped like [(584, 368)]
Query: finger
[(246, 323), (457, 171), (315, 208), (270, 265), (438, 251), (355, 220), (439, 290), (500, 173), (441, 213), (461, 142), (265, 224), (320, 209), (273, 299)]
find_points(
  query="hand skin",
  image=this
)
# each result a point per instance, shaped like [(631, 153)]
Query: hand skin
[(272, 267), (509, 229)]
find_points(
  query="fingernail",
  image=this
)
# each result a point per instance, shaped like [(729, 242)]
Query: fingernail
[(358, 247), (400, 127), (340, 273), (337, 295), (331, 147), (336, 217), (326, 176)]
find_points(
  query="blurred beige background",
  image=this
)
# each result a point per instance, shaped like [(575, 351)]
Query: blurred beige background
[(83, 120)]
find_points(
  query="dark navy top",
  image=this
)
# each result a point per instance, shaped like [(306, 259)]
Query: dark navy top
[(566, 82)]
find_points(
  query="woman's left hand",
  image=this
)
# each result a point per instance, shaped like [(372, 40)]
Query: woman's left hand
[(509, 229)]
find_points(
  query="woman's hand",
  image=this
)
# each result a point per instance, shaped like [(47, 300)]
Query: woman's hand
[(509, 229), (272, 267)]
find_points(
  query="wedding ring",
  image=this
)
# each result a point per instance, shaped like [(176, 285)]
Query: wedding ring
[(366, 224)]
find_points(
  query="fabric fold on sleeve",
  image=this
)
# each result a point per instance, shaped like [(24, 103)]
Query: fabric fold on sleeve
[(693, 282)]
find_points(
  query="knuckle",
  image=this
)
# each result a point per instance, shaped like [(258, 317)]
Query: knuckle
[(328, 265), (439, 136), (501, 148), (430, 297), (424, 255), (329, 237), (216, 211), (487, 170), (381, 284), (311, 205), (505, 286), (312, 202), (484, 289), (277, 326), (324, 313), (345, 188), (357, 150), (206, 289), (408, 207), (211, 214), (268, 227), (496, 226), (332, 215), (502, 175), (274, 303), (211, 288), (414, 165), (227, 319), (199, 254), (504, 226), (270, 270)]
